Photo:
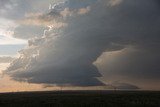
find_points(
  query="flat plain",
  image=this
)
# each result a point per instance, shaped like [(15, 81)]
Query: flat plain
[(81, 99)]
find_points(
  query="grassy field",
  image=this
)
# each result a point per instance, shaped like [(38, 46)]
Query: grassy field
[(81, 99)]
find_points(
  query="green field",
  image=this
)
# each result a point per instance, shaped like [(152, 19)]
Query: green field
[(81, 99)]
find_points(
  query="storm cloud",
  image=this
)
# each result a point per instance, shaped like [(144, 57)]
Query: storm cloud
[(65, 55)]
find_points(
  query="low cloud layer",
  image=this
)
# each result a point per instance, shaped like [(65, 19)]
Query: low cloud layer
[(124, 86), (65, 55)]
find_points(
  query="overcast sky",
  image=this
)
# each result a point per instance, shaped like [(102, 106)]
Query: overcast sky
[(80, 43)]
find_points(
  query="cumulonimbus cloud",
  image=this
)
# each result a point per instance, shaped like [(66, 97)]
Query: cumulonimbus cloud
[(58, 56), (65, 56)]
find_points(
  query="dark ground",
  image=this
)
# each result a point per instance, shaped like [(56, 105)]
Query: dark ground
[(81, 99)]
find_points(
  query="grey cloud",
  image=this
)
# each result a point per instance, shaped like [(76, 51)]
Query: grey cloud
[(132, 62), (28, 31), (31, 17), (137, 24), (33, 21), (14, 9), (43, 19), (60, 62), (113, 2), (3, 3), (67, 56)]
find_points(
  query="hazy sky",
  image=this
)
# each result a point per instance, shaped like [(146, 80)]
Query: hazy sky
[(96, 44)]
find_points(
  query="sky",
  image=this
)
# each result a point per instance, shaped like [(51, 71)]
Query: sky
[(79, 44)]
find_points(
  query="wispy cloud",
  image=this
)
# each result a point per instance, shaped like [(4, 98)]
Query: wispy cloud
[(8, 40), (6, 59)]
